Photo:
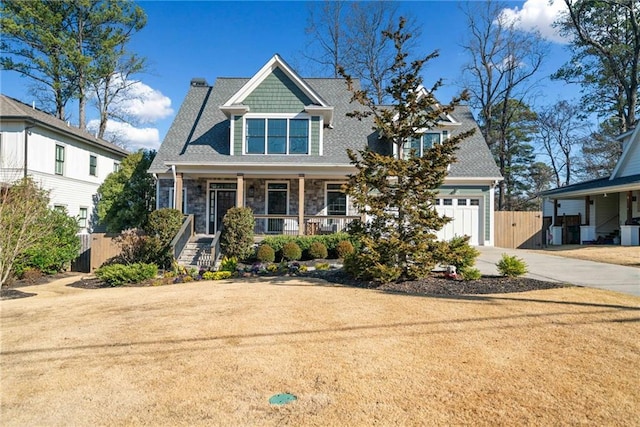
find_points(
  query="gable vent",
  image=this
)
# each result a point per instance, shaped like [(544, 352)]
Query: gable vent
[(199, 82)]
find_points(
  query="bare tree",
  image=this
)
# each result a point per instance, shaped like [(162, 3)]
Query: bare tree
[(561, 131), (350, 35), (606, 56), (502, 62), (23, 209)]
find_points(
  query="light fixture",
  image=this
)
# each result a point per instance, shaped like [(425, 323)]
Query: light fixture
[(252, 191), (604, 195)]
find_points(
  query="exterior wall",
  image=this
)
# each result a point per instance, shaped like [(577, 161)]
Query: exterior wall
[(567, 207), (631, 165), (75, 188), (607, 214), (277, 94)]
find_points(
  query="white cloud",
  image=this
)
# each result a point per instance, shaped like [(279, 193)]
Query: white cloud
[(130, 137), (538, 15), (144, 103)]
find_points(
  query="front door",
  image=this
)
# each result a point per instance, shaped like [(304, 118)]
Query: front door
[(277, 203), (221, 198)]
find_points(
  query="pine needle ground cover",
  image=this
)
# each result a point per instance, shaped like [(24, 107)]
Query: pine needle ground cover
[(214, 353)]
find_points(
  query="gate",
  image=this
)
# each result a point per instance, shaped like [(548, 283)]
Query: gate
[(515, 229)]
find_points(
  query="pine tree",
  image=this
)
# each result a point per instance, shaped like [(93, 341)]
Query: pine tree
[(397, 193)]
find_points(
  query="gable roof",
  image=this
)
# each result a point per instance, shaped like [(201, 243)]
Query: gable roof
[(631, 149), (200, 132), (12, 109), (317, 104)]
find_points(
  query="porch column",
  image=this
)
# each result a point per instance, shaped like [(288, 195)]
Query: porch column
[(555, 212), (177, 193), (629, 207), (301, 229), (587, 209), (240, 191)]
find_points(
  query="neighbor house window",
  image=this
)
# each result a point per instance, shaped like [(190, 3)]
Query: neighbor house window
[(116, 166), (277, 136), (93, 165), (59, 160), (336, 200), (60, 208), (421, 144), (82, 218)]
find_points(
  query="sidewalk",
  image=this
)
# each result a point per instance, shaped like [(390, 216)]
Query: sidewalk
[(543, 266)]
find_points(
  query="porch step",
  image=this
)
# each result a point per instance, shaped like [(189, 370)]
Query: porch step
[(197, 252)]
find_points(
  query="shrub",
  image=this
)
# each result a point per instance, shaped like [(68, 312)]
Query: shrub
[(228, 264), (470, 273), (220, 275), (54, 251), (120, 274), (344, 248), (330, 241), (164, 224), (291, 252), (265, 253), (272, 268), (511, 266), (369, 265), (322, 266), (317, 250), (236, 239), (459, 253), (208, 275)]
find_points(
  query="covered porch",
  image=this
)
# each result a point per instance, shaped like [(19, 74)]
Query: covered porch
[(609, 212), (292, 204)]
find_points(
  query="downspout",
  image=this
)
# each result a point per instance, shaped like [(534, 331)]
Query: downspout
[(26, 147), (155, 178), (173, 171)]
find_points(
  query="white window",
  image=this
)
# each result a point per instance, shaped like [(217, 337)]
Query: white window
[(116, 166), (93, 165), (277, 136), (59, 160), (335, 199), (82, 218), (184, 199), (422, 144)]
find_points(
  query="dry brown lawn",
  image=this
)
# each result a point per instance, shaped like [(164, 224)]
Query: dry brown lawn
[(615, 254), (213, 353)]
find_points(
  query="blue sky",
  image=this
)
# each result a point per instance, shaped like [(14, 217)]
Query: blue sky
[(186, 39)]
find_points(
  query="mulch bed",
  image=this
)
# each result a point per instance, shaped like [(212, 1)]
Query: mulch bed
[(436, 284)]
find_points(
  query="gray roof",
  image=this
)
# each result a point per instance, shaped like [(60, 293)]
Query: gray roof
[(200, 132), (12, 109), (593, 186)]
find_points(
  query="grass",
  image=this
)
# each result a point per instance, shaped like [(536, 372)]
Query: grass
[(610, 254), (213, 353)]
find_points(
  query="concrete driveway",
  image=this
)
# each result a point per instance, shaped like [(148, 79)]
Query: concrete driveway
[(566, 270)]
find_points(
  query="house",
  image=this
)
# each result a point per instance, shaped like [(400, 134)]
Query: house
[(68, 162), (277, 143), (607, 209)]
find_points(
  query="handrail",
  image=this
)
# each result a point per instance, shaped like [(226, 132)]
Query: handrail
[(182, 237), (215, 248)]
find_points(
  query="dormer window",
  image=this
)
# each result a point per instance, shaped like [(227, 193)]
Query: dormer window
[(423, 143), (277, 136)]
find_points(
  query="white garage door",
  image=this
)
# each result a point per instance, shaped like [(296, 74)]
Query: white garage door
[(466, 218)]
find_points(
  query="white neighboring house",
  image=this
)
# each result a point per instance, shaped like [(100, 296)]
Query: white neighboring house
[(609, 207), (67, 161)]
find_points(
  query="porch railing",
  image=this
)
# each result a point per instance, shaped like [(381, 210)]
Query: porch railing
[(290, 224), (182, 237)]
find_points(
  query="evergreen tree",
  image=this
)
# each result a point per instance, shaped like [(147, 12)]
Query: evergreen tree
[(127, 197), (397, 193)]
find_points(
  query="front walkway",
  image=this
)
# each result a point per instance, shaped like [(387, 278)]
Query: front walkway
[(544, 266)]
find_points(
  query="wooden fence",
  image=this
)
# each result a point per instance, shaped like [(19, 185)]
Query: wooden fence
[(95, 249), (521, 230)]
